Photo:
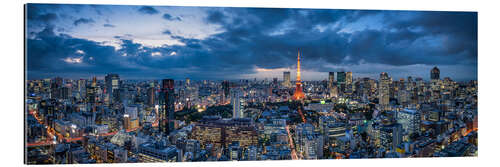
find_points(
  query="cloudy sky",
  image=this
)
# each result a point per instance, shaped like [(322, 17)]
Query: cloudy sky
[(154, 42)]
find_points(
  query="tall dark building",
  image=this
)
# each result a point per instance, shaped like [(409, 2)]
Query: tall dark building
[(340, 77), (151, 96), (331, 79), (225, 90), (65, 92), (113, 87), (341, 82), (166, 110), (435, 73), (55, 88), (92, 91), (225, 86)]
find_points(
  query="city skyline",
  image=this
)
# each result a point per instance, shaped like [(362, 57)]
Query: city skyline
[(203, 43)]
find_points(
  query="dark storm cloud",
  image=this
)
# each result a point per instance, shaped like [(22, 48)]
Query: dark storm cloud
[(43, 57), (83, 21), (148, 10), (40, 15), (452, 41), (132, 58), (169, 17), (270, 38), (251, 38), (427, 38)]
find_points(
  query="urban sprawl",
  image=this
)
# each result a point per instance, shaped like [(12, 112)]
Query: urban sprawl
[(110, 120)]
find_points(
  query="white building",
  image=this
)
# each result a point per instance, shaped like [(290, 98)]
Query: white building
[(237, 102), (410, 120)]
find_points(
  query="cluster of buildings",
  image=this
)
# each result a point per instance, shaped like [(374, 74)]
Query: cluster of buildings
[(119, 121)]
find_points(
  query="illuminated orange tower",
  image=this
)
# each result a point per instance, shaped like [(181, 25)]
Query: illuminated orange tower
[(298, 95)]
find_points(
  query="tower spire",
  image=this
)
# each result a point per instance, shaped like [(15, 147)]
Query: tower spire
[(298, 65), (298, 95)]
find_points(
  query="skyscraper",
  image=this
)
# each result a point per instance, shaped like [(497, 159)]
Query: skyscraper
[(151, 95), (112, 87), (286, 79), (81, 86), (331, 79), (225, 89), (298, 95), (435, 84), (435, 73), (166, 112), (348, 78), (341, 85), (383, 91), (55, 88), (92, 91), (237, 102), (340, 77)]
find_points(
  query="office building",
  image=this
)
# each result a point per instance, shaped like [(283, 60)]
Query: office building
[(331, 79), (113, 87), (286, 79), (341, 77), (348, 78), (410, 120), (166, 110), (237, 102), (384, 89), (435, 73)]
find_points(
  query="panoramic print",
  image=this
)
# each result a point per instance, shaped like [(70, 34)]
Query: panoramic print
[(136, 84)]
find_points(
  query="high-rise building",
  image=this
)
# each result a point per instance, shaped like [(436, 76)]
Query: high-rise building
[(334, 91), (410, 120), (166, 111), (126, 121), (237, 102), (341, 77), (435, 73), (384, 88), (286, 79), (151, 95), (113, 87), (81, 85), (298, 94), (66, 92), (55, 88), (348, 78), (225, 89), (341, 84), (92, 91), (331, 79), (435, 84)]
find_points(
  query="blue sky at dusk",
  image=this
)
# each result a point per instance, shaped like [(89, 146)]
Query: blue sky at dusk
[(154, 42)]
